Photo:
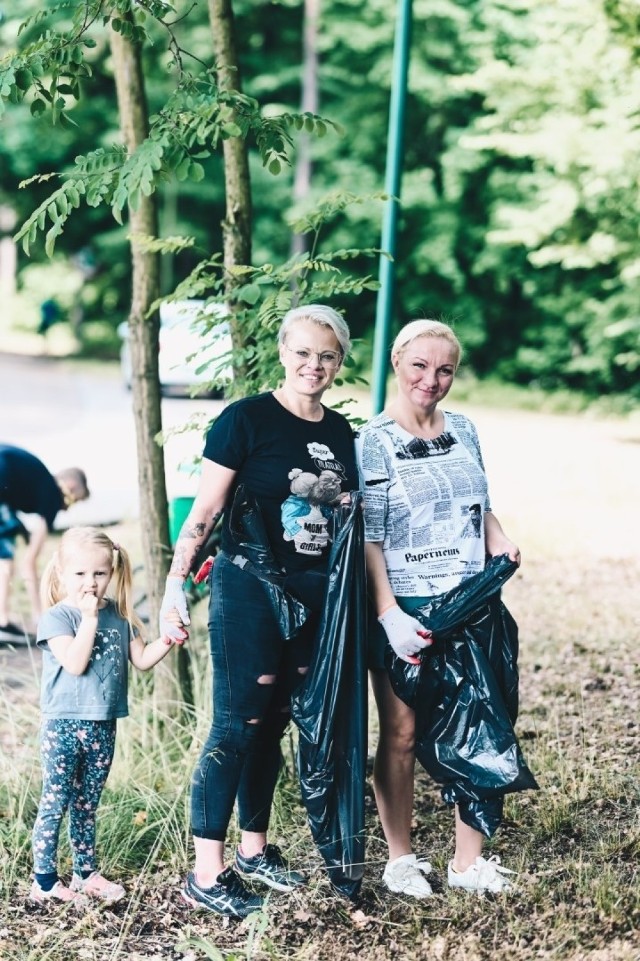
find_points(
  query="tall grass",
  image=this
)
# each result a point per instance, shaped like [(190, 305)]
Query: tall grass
[(575, 843)]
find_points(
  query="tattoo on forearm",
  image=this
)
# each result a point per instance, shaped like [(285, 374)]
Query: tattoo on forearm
[(196, 531), (191, 537)]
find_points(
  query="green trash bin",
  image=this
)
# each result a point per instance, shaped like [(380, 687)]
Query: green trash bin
[(179, 508)]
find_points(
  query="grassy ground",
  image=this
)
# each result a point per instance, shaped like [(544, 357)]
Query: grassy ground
[(565, 489)]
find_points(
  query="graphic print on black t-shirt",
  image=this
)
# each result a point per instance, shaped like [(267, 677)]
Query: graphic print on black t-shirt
[(306, 512)]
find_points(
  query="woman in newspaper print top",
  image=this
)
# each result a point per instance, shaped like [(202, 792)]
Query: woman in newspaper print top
[(428, 526)]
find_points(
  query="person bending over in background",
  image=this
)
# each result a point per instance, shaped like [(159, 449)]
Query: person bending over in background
[(87, 639), (428, 527), (265, 443), (26, 485)]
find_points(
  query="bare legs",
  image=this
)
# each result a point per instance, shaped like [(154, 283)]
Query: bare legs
[(209, 861), (393, 777), (468, 845), (394, 765)]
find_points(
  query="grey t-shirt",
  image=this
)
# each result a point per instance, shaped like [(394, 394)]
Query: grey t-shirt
[(100, 694)]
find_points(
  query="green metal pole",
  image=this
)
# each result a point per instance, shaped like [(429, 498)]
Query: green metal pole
[(393, 177)]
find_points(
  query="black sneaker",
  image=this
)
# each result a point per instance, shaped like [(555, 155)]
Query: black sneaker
[(269, 867), (227, 896)]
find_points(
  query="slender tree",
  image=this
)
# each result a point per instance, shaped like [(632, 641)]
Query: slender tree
[(309, 101), (237, 225), (143, 338)]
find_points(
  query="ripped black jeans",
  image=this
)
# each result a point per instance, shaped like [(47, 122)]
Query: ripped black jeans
[(254, 674)]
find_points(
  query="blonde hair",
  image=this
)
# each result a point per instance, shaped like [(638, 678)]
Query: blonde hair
[(76, 539), (426, 328), (321, 315)]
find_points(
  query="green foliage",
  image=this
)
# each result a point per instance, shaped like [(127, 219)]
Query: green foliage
[(189, 128), (261, 295), (518, 217)]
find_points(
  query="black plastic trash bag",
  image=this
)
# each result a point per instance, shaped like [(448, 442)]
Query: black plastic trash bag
[(330, 710), (465, 696), (247, 528), (330, 707)]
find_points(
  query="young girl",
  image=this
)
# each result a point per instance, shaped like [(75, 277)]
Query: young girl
[(86, 639)]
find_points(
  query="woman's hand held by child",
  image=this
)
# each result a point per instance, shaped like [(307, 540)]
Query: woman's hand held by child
[(405, 634), (174, 602)]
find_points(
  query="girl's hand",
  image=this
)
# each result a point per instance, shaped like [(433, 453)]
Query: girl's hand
[(88, 604), (181, 634)]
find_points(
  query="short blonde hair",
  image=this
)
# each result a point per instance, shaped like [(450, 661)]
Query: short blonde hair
[(323, 316), (426, 328)]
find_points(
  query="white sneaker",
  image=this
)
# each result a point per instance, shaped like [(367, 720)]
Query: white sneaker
[(406, 875), (481, 876)]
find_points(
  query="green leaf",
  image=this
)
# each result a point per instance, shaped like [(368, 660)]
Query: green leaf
[(275, 166), (24, 78), (182, 170), (50, 241), (196, 171), (249, 293), (37, 108), (67, 121)]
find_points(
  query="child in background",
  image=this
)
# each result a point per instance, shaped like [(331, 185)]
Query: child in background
[(87, 640)]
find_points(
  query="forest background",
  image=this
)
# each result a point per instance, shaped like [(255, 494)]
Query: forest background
[(519, 218)]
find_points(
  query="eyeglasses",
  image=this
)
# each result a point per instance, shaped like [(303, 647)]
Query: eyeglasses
[(331, 359)]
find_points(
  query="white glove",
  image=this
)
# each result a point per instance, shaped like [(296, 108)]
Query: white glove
[(406, 635), (174, 598)]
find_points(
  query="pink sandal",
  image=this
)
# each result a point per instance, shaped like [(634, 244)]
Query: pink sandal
[(96, 886)]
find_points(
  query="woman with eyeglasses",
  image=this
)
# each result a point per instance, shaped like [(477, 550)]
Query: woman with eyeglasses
[(296, 458)]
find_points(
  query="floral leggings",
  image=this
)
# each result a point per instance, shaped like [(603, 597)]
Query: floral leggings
[(76, 759)]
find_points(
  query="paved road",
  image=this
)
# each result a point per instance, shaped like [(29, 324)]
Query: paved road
[(71, 413)]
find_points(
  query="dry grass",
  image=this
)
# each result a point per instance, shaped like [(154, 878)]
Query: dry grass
[(565, 489)]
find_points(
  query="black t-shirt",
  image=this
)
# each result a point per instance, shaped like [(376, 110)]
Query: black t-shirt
[(296, 469), (26, 484)]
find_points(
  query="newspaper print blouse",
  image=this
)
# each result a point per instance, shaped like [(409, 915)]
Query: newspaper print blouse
[(424, 500)]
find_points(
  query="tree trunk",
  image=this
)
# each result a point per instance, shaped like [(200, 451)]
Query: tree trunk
[(143, 337), (237, 224), (309, 102)]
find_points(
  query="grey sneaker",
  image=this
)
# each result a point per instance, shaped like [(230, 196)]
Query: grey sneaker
[(227, 896), (483, 875), (270, 868)]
